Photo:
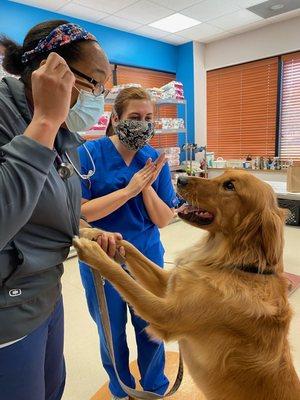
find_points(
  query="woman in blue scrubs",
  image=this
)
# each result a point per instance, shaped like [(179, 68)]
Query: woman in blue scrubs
[(131, 193)]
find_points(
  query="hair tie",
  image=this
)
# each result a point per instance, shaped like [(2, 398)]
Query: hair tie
[(60, 36)]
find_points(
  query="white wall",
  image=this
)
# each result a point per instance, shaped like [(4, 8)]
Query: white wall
[(274, 39), (199, 93)]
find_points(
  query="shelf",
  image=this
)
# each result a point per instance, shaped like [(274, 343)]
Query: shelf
[(167, 131), (158, 102), (169, 101)]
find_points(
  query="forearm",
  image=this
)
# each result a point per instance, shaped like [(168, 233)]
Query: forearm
[(102, 206), (159, 212), (23, 172)]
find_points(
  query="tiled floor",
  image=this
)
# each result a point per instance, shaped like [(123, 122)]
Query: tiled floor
[(85, 373)]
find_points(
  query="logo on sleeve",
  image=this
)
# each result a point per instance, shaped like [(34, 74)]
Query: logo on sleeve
[(15, 292)]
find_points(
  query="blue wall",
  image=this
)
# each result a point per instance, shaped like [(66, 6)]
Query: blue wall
[(121, 47), (185, 74)]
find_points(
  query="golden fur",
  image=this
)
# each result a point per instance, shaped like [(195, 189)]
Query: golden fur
[(232, 326)]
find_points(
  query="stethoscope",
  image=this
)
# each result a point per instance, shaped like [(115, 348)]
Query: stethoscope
[(66, 169)]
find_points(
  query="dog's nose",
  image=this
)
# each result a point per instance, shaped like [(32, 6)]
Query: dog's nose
[(182, 181)]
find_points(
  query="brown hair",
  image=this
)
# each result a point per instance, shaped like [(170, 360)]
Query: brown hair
[(121, 102)]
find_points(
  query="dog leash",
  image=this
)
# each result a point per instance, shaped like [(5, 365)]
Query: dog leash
[(138, 394)]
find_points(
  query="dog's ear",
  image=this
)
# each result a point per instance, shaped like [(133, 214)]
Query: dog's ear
[(272, 224), (260, 237)]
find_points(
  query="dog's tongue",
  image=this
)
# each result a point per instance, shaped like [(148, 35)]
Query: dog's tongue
[(188, 209)]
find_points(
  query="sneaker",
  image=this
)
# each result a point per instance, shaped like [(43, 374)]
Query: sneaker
[(119, 398)]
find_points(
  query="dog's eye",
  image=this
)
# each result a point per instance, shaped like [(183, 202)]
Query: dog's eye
[(228, 185)]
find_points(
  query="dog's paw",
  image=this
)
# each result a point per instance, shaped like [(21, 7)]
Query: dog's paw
[(128, 247), (92, 254), (88, 251)]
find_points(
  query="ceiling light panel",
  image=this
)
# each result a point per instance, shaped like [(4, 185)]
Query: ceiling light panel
[(175, 23)]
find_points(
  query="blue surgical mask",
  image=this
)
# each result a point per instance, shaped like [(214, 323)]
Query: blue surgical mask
[(86, 112)]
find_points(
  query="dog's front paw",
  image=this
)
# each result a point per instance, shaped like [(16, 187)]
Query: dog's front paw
[(87, 250), (128, 247), (92, 254)]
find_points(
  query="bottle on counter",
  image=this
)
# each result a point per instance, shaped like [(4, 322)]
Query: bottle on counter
[(248, 162), (270, 164), (261, 164), (277, 163)]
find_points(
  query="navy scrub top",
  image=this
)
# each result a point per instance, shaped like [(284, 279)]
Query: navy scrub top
[(131, 219)]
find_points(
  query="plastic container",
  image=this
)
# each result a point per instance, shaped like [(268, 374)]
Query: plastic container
[(220, 163), (210, 157)]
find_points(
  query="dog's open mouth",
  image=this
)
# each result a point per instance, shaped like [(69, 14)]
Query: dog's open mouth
[(195, 215)]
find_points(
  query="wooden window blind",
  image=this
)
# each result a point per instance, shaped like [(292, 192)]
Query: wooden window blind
[(241, 109), (290, 107), (145, 77), (148, 79)]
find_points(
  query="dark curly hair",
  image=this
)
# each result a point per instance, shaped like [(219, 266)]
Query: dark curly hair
[(12, 62)]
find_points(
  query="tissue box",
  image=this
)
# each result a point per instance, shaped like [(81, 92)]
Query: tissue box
[(293, 178)]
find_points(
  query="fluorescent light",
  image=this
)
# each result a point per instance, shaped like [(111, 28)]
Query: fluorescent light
[(175, 23)]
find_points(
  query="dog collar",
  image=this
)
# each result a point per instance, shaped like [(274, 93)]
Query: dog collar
[(253, 269)]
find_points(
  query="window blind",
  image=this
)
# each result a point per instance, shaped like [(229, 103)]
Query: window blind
[(241, 109), (290, 107)]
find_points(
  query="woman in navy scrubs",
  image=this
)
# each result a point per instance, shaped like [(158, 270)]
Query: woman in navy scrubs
[(130, 193)]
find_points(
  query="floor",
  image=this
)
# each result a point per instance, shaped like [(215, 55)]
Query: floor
[(85, 374)]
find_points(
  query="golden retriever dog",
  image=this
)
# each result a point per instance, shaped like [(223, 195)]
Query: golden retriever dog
[(226, 301)]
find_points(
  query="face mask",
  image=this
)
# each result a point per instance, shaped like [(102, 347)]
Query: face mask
[(134, 134), (86, 112)]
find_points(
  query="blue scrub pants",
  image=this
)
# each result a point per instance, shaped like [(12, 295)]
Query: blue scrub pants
[(151, 355), (34, 367)]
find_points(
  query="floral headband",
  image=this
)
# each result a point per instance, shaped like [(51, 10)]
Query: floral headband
[(63, 34)]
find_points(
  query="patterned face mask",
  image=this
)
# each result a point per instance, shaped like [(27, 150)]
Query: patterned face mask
[(134, 134)]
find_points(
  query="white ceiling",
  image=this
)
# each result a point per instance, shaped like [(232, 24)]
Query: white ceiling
[(219, 18)]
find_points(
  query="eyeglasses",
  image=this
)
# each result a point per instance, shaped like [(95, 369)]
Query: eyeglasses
[(98, 89)]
